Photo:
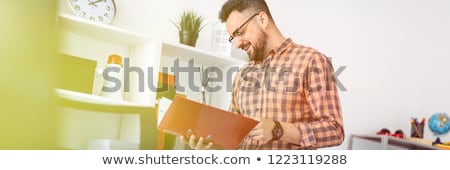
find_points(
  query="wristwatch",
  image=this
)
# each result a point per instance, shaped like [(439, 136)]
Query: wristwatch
[(277, 131)]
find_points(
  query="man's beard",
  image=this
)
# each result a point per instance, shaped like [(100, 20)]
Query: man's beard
[(258, 48)]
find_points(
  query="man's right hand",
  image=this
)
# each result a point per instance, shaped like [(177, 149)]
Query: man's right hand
[(196, 144)]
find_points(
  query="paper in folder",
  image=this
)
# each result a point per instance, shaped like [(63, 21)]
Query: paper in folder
[(225, 129)]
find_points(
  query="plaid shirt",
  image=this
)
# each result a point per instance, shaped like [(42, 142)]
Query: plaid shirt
[(294, 84)]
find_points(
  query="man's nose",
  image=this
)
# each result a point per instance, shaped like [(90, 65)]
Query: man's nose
[(238, 42)]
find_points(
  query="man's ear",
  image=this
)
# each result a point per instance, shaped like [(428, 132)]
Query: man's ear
[(263, 20)]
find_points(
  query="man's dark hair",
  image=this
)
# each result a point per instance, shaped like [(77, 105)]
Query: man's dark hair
[(254, 6)]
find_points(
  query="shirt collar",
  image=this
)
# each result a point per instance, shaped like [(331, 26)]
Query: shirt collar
[(277, 50), (287, 43)]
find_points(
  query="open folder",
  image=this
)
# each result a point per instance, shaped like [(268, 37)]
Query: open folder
[(225, 129)]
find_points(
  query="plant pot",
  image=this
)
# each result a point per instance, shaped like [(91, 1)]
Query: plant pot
[(188, 38)]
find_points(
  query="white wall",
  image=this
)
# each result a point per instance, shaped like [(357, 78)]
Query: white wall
[(395, 52)]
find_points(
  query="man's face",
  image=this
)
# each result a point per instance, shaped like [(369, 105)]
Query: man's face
[(247, 34)]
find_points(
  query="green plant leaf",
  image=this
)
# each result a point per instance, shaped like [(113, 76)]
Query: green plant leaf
[(189, 20)]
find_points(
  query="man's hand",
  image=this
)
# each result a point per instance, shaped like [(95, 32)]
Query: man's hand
[(263, 131), (196, 144)]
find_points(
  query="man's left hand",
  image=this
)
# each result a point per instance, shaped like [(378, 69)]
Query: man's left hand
[(263, 131)]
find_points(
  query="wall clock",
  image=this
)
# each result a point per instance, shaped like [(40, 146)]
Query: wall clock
[(102, 11)]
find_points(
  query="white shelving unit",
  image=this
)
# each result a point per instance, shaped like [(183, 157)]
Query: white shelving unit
[(202, 57), (96, 41), (99, 31), (101, 101), (96, 107)]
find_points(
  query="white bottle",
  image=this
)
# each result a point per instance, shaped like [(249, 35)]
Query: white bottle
[(112, 85)]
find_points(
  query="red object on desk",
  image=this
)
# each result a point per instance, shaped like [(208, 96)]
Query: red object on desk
[(398, 134), (384, 131), (387, 132)]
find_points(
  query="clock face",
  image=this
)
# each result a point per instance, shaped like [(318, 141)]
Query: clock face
[(95, 10)]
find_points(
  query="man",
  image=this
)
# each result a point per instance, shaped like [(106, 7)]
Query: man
[(288, 87)]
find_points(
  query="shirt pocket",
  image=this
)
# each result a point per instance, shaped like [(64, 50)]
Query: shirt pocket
[(283, 90)]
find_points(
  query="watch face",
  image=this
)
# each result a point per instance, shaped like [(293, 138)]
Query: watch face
[(95, 10), (277, 131)]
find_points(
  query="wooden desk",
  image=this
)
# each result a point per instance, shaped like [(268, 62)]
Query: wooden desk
[(387, 141)]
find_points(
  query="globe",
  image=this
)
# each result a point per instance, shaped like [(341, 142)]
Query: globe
[(439, 123)]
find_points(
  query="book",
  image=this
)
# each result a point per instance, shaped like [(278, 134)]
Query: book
[(75, 73), (225, 129)]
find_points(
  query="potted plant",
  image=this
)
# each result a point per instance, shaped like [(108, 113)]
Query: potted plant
[(189, 25)]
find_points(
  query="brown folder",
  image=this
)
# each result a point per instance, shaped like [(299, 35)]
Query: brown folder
[(225, 129)]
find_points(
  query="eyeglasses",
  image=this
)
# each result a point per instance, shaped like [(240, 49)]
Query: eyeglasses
[(236, 32)]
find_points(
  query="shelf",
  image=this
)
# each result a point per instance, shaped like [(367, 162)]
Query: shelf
[(92, 103), (98, 103), (201, 57), (108, 33), (386, 141), (99, 31)]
